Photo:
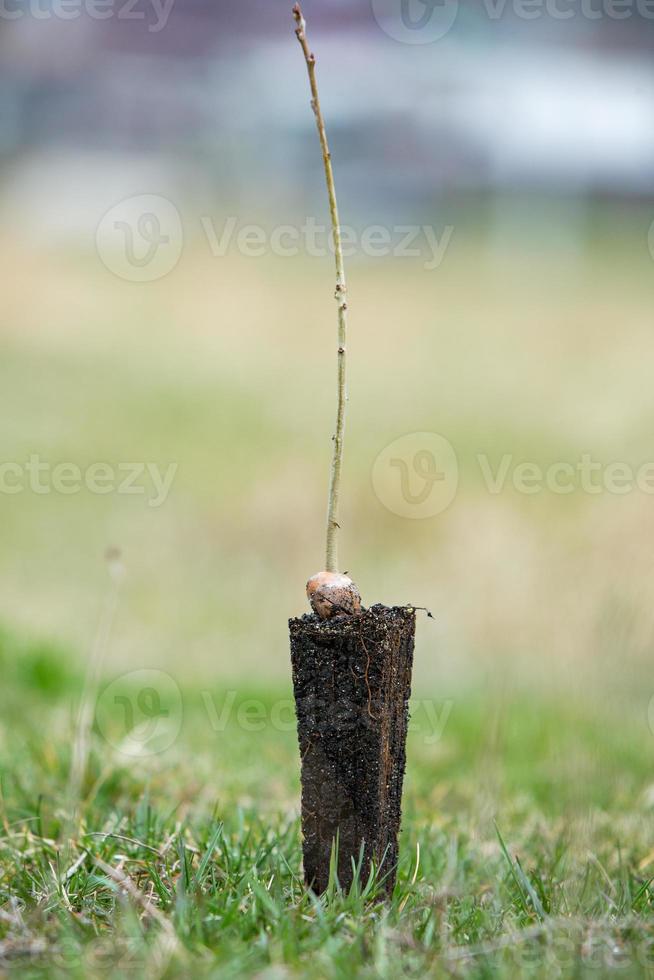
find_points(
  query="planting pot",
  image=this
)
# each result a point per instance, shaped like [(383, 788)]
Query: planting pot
[(352, 683)]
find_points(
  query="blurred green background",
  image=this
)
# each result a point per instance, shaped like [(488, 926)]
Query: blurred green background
[(225, 367)]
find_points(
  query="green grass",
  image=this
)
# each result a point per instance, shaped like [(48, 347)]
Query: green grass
[(526, 845)]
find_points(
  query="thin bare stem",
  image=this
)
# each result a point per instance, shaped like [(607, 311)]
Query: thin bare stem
[(331, 558)]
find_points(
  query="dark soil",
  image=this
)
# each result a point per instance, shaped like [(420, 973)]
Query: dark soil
[(352, 682)]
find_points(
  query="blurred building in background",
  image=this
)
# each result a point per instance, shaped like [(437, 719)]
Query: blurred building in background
[(207, 102)]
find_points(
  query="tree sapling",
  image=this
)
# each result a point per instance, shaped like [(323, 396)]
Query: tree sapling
[(330, 592), (351, 667)]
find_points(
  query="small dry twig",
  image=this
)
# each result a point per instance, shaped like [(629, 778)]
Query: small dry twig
[(84, 720), (331, 557)]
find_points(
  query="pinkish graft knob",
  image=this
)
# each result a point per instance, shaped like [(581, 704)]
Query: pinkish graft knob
[(333, 594)]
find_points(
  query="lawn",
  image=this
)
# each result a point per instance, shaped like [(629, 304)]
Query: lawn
[(526, 845)]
